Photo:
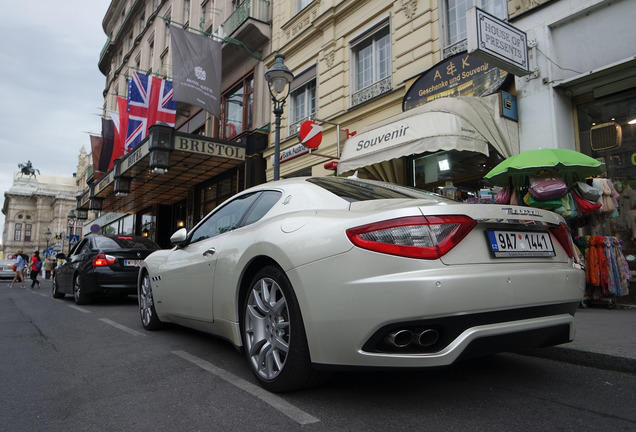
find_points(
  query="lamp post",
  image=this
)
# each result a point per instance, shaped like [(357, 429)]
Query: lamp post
[(71, 218), (278, 78), (47, 236)]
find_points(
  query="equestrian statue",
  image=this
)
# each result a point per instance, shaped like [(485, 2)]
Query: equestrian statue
[(27, 169)]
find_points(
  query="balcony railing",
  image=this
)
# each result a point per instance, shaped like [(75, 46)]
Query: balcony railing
[(257, 9), (375, 89)]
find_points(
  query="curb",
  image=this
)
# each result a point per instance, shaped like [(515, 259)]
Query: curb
[(584, 358)]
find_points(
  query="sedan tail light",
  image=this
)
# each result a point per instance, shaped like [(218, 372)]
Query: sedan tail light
[(562, 234), (424, 237), (103, 260)]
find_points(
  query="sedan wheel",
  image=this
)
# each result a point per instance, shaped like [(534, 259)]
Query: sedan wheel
[(147, 305), (56, 293), (274, 334), (81, 298)]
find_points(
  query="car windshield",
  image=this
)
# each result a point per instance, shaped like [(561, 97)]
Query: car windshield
[(125, 242), (352, 189)]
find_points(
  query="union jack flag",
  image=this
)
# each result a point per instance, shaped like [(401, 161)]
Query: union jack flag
[(149, 102)]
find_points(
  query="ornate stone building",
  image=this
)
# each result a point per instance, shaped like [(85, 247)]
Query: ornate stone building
[(34, 206)]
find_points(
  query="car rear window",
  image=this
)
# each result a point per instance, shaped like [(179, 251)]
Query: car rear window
[(125, 242), (353, 190)]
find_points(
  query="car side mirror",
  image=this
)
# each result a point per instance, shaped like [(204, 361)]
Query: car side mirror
[(179, 236)]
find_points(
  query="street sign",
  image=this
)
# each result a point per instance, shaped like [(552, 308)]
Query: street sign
[(310, 134), (496, 41), (73, 240)]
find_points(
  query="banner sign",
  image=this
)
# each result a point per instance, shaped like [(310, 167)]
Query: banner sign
[(196, 66), (459, 75), (209, 147)]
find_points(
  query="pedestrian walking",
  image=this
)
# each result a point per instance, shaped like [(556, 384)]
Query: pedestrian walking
[(20, 265), (48, 267), (35, 265)]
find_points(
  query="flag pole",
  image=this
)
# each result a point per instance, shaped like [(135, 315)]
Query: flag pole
[(222, 39)]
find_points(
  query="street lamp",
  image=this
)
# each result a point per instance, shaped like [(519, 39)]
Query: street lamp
[(71, 218), (47, 236), (278, 77)]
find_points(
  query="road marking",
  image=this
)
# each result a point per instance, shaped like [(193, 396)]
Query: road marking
[(122, 327), (79, 309), (271, 399)]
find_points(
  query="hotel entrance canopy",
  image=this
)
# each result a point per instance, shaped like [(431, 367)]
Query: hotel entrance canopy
[(161, 170)]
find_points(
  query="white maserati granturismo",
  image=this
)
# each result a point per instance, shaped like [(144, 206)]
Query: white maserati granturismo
[(308, 275)]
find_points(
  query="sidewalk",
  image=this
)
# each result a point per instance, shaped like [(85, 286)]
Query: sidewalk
[(605, 339)]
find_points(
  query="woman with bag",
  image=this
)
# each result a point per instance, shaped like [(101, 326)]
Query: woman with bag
[(20, 264), (35, 265)]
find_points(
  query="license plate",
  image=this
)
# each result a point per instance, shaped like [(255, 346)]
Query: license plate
[(505, 244), (133, 263)]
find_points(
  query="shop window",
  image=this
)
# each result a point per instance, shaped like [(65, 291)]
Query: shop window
[(303, 105), (454, 20), (27, 232), (605, 133), (456, 174), (238, 108), (149, 224), (371, 61), (17, 232)]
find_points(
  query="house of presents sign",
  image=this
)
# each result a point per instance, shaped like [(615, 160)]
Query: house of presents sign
[(496, 41)]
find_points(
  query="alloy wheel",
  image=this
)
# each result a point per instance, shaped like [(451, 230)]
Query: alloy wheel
[(267, 328), (145, 301)]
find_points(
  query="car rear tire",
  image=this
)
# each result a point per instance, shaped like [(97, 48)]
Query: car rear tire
[(81, 298), (147, 311), (56, 293), (274, 335)]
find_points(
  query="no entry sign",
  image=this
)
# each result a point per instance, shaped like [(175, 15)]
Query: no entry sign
[(310, 134)]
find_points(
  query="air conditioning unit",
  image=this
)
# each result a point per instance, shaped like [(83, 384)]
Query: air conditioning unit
[(606, 136)]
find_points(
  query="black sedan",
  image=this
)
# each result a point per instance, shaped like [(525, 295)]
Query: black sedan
[(102, 265)]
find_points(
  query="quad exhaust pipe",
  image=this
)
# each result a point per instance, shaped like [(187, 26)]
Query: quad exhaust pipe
[(403, 338)]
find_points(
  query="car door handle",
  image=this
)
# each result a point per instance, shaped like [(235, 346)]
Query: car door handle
[(209, 252)]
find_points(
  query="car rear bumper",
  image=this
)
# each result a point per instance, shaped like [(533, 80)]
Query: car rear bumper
[(350, 309), (105, 281)]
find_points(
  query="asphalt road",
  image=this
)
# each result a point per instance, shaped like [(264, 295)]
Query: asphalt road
[(94, 368)]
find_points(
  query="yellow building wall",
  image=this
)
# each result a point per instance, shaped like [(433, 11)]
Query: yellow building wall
[(321, 35)]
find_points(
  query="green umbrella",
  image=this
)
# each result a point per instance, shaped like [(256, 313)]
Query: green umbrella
[(566, 162)]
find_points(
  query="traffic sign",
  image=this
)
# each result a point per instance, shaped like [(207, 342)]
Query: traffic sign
[(310, 134)]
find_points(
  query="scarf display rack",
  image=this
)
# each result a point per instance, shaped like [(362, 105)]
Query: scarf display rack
[(607, 273)]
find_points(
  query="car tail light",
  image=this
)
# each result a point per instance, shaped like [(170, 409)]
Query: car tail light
[(425, 237), (103, 260), (562, 234)]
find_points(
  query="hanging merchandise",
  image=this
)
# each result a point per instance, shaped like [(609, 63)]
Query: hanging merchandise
[(547, 186), (606, 270), (585, 207)]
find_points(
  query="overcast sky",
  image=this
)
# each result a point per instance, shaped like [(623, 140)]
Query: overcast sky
[(50, 85)]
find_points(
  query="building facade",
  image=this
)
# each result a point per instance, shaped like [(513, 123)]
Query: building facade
[(380, 69), (391, 84), (205, 159), (36, 208)]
